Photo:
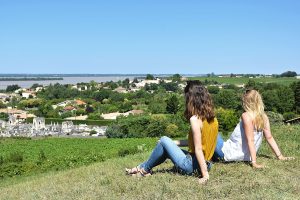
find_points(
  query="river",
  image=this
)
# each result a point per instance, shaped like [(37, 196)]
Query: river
[(66, 80)]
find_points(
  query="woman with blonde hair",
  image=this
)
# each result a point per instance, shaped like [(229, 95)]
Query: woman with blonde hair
[(247, 136), (202, 138)]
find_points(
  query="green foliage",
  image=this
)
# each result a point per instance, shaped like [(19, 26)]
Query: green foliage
[(227, 119), (297, 96), (12, 88), (36, 85), (95, 116), (41, 158), (176, 77), (15, 157), (286, 99), (4, 116), (227, 99), (157, 107), (93, 132), (58, 91), (289, 115), (275, 118), (1, 160), (213, 89), (271, 100), (2, 105), (21, 157), (125, 107), (289, 74), (151, 86), (172, 130), (102, 94), (172, 105), (171, 87), (149, 77), (147, 126), (128, 151)]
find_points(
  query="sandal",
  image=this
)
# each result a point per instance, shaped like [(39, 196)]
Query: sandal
[(132, 170), (141, 173)]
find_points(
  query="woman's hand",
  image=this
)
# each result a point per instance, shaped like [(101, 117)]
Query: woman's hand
[(257, 166), (203, 179), (281, 157)]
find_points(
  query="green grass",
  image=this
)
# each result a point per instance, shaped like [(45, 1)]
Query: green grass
[(23, 157), (243, 80), (106, 180)]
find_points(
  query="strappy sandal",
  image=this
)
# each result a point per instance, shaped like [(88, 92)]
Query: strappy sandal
[(141, 173), (132, 170)]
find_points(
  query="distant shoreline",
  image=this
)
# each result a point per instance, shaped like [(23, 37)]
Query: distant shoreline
[(87, 75), (31, 79)]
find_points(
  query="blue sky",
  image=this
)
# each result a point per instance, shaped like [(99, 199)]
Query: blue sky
[(157, 36)]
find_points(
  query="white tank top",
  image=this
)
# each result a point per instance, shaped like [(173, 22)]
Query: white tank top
[(236, 147)]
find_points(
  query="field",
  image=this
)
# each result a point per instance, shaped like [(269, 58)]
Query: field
[(243, 80), (106, 179), (23, 157)]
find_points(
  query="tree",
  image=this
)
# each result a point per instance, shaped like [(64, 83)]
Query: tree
[(172, 87), (286, 99), (135, 80), (176, 78), (172, 105), (2, 105), (36, 85), (227, 99), (271, 100), (149, 77), (12, 88), (288, 74), (227, 119), (213, 89), (125, 83), (102, 94), (297, 96)]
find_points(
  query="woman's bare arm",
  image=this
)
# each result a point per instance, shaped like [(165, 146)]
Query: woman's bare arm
[(248, 127), (196, 125), (271, 141)]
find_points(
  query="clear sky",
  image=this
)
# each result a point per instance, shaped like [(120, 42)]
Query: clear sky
[(149, 36)]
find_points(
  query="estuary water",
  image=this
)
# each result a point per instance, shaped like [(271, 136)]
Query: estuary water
[(66, 80)]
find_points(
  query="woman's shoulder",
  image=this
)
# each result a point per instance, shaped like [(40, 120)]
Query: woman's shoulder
[(246, 117), (195, 118)]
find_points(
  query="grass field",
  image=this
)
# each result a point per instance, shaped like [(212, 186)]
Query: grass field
[(106, 180), (243, 80), (23, 157)]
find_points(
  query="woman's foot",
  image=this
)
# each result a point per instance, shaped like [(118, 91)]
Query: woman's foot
[(132, 170), (141, 173)]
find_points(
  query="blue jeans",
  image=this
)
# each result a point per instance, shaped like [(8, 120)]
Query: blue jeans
[(166, 148), (218, 154)]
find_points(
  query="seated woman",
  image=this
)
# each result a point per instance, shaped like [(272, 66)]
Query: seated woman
[(202, 138), (246, 138)]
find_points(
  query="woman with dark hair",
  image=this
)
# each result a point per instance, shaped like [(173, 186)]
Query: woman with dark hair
[(201, 140)]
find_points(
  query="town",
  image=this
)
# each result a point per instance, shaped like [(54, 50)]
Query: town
[(87, 109)]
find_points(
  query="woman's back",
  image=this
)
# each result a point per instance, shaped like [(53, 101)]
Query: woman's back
[(236, 148), (209, 134)]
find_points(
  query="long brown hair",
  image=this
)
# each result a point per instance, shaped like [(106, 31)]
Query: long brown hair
[(198, 101)]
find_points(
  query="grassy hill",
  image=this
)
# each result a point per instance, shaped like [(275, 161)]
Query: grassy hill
[(106, 180)]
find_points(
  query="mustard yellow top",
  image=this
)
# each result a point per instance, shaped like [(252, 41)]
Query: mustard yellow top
[(209, 135)]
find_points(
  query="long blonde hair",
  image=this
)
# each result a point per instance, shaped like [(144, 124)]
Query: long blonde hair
[(252, 103)]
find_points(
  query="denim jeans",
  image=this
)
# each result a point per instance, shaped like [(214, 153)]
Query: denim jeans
[(166, 148), (218, 154)]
